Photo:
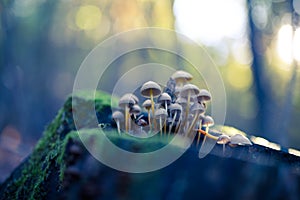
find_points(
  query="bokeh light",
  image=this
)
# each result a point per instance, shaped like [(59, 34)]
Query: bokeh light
[(88, 17), (210, 21), (288, 43)]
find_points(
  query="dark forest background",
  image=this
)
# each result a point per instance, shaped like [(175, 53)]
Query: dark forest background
[(44, 42)]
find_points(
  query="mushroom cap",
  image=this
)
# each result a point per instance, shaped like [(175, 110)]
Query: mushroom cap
[(126, 100), (147, 104), (175, 107), (161, 113), (197, 107), (223, 139), (181, 76), (135, 109), (189, 88), (204, 95), (164, 97), (240, 140), (181, 101), (207, 121), (130, 95), (148, 86), (117, 115)]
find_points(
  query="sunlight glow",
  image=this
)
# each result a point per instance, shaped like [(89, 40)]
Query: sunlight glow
[(210, 21), (88, 17), (288, 47)]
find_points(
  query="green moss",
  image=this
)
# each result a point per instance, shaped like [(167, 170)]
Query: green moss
[(49, 153), (47, 162)]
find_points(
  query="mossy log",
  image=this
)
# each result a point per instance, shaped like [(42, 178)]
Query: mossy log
[(60, 167)]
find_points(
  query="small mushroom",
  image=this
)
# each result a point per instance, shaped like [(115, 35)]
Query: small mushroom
[(134, 110), (188, 91), (147, 105), (182, 101), (161, 114), (203, 96), (207, 121), (181, 77), (126, 101), (239, 139), (165, 100), (132, 96), (223, 139), (151, 89), (118, 116), (177, 110), (197, 109)]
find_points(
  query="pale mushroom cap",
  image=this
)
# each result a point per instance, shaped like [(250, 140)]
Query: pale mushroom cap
[(117, 115), (223, 139), (181, 101), (147, 104), (175, 107), (164, 97), (193, 89), (240, 140), (135, 109), (130, 95), (196, 107), (207, 121), (182, 75), (126, 100), (161, 113), (148, 86), (204, 95)]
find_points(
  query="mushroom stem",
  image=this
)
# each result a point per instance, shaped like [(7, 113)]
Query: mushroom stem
[(149, 119), (208, 135), (193, 123), (187, 109), (126, 118), (129, 122), (165, 126), (118, 126), (199, 134), (166, 106), (178, 125), (171, 126), (152, 107), (160, 126)]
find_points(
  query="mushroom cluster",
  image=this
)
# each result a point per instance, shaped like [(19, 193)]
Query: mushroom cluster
[(178, 108)]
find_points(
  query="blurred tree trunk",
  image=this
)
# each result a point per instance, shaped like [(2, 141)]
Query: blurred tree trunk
[(272, 118), (268, 106)]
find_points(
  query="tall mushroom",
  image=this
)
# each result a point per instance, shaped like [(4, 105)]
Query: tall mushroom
[(126, 101), (197, 109), (164, 99), (203, 96), (188, 91), (151, 89), (118, 116), (147, 105), (181, 77), (223, 139), (161, 114), (207, 121), (175, 110)]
